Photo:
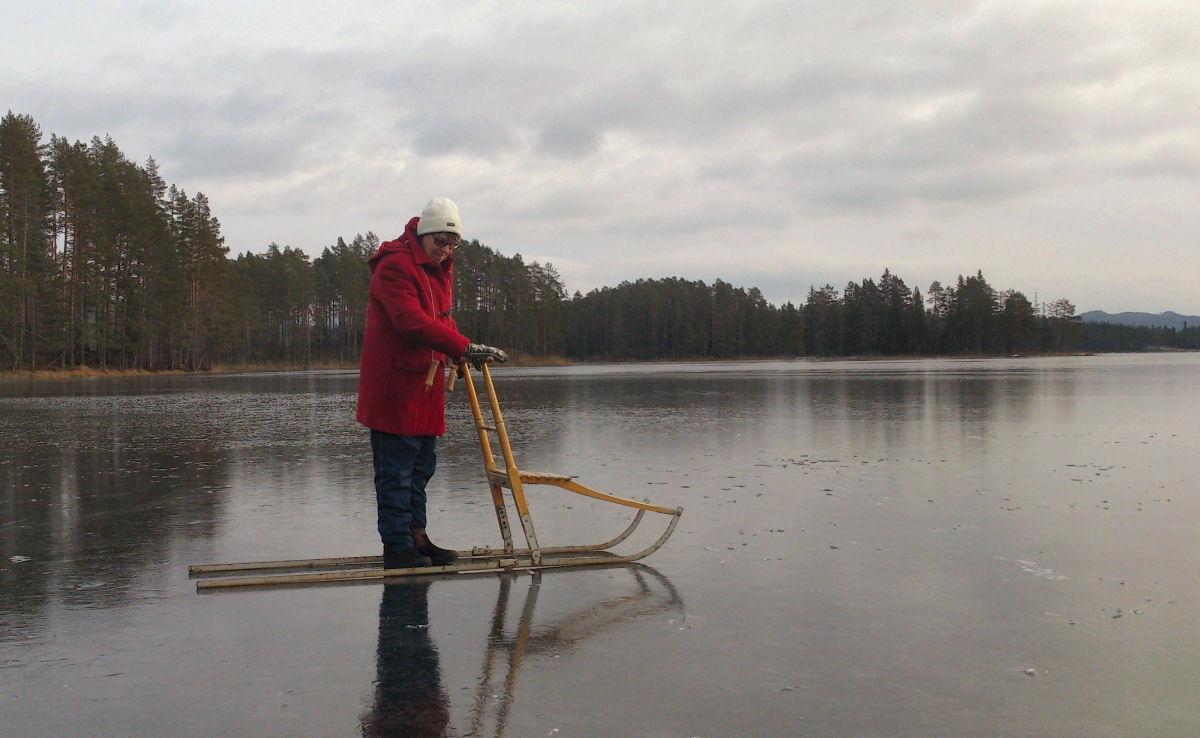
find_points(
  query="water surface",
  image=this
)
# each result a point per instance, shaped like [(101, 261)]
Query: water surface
[(886, 548)]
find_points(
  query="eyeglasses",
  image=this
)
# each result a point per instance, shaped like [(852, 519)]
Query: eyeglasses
[(444, 240)]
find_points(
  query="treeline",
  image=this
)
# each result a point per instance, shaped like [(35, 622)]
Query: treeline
[(282, 308), (104, 265), (675, 319), (101, 263), (1113, 337)]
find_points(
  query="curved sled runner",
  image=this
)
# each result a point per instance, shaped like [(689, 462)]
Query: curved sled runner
[(480, 558)]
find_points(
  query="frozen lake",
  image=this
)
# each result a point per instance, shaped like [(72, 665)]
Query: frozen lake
[(901, 548)]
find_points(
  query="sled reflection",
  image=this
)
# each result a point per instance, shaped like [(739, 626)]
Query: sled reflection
[(410, 699)]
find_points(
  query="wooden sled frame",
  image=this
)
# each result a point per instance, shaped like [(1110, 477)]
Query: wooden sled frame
[(479, 558)]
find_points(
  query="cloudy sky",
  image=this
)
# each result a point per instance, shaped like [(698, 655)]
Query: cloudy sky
[(1055, 146)]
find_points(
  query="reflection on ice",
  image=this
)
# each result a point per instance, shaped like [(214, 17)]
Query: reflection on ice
[(409, 697)]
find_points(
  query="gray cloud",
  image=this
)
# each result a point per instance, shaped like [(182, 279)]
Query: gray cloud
[(837, 134), (470, 132)]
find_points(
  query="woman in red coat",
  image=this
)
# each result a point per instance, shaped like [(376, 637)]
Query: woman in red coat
[(409, 341)]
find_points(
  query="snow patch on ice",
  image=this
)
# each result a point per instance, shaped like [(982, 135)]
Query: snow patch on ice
[(1031, 567)]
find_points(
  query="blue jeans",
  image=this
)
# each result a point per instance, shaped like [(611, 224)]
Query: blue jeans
[(403, 466)]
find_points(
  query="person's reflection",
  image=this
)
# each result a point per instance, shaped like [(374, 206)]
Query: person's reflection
[(409, 700)]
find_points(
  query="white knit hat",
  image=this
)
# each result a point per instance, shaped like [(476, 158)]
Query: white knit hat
[(440, 216)]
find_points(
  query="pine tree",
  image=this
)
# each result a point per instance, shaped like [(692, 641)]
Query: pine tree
[(25, 250)]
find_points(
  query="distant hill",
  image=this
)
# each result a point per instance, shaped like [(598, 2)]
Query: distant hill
[(1162, 320)]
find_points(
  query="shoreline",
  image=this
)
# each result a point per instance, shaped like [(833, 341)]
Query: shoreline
[(93, 372), (89, 372)]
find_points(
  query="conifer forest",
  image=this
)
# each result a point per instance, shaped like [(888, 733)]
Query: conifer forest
[(105, 265)]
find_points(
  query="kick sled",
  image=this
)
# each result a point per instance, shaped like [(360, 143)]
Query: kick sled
[(480, 559)]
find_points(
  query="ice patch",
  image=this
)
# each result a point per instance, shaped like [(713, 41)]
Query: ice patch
[(1031, 567)]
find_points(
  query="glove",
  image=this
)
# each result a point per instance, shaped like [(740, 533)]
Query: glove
[(478, 355)]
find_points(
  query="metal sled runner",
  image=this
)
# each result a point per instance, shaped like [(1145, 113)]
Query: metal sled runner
[(480, 558)]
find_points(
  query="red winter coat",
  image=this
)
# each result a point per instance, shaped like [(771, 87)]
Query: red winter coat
[(408, 327)]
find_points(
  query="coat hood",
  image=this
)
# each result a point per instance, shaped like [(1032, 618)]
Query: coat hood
[(408, 241)]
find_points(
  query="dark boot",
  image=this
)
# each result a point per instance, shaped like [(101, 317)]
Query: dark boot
[(437, 556), (409, 558)]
